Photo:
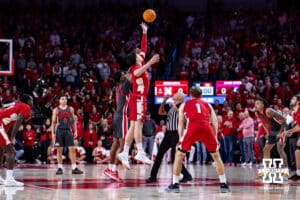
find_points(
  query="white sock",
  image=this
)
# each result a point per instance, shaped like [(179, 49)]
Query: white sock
[(139, 147), (109, 166), (298, 172), (113, 167), (126, 150), (73, 166), (176, 179), (59, 166), (9, 174), (222, 178)]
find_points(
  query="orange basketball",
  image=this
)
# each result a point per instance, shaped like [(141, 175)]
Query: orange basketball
[(149, 15)]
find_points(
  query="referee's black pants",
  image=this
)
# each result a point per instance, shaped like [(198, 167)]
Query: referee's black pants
[(170, 140)]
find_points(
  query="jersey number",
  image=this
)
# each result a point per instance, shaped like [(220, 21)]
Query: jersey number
[(198, 108)]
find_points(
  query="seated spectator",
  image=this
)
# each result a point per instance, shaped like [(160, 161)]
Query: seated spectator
[(80, 153), (52, 155), (100, 154)]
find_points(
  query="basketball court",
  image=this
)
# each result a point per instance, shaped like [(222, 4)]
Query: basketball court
[(42, 183)]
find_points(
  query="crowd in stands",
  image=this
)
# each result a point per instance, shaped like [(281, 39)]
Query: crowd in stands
[(77, 51)]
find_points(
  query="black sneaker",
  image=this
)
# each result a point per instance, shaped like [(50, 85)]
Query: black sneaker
[(186, 179), (59, 171), (77, 171), (295, 177), (173, 188), (224, 188), (151, 180)]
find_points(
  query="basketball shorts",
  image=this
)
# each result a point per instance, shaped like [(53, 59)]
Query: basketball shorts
[(198, 131), (137, 108), (64, 138), (120, 125), (273, 137)]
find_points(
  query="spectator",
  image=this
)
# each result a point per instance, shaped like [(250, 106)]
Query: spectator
[(149, 131), (90, 139), (100, 154)]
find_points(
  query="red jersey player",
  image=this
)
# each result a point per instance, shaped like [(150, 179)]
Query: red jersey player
[(202, 125), (138, 99), (12, 117)]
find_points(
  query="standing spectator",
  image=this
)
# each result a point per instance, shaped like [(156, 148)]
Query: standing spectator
[(240, 137), (149, 131), (95, 118), (229, 127), (247, 127), (29, 138), (90, 139), (45, 139)]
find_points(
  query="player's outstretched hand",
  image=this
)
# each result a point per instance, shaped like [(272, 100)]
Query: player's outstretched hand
[(144, 27)]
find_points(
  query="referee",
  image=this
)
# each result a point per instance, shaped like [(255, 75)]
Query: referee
[(171, 137)]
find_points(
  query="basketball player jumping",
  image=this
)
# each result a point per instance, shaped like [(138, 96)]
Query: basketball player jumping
[(62, 119), (202, 126), (138, 100), (12, 116)]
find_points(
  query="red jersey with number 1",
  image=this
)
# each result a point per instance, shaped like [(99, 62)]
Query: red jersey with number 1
[(197, 110)]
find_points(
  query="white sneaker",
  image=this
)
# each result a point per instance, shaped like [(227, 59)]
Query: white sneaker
[(249, 164), (124, 160), (244, 164), (141, 156), (13, 183), (1, 181)]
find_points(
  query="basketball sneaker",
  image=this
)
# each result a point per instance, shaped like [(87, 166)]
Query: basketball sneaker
[(59, 171), (141, 156), (13, 183), (124, 160), (113, 175), (224, 188), (173, 188), (77, 171)]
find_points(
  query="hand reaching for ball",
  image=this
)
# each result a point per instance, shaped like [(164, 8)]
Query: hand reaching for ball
[(144, 27)]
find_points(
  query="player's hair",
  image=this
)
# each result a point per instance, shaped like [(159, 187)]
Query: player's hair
[(117, 76), (131, 58), (25, 98), (62, 95), (196, 91), (264, 101)]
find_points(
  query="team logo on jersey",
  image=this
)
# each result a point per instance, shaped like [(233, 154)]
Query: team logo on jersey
[(273, 171)]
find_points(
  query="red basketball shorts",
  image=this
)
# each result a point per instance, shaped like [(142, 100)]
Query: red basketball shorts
[(202, 132), (137, 108)]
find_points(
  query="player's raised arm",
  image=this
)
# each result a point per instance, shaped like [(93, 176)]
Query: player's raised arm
[(144, 40)]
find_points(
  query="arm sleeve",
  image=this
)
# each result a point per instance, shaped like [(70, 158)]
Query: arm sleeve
[(144, 44)]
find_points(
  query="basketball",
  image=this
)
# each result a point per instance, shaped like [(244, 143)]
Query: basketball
[(149, 15)]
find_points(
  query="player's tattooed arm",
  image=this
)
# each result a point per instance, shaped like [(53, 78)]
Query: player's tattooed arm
[(279, 117)]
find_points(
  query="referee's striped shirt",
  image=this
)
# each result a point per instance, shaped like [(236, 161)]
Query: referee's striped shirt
[(172, 120)]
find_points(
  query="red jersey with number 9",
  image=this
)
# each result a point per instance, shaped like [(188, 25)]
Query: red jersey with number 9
[(197, 110)]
